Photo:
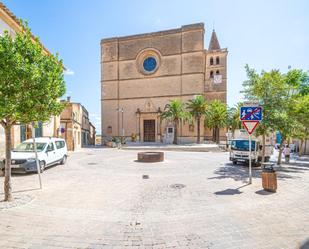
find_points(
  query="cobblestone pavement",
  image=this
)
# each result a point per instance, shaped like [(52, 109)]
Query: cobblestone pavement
[(99, 199)]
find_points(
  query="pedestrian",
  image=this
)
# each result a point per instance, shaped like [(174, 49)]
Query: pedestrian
[(287, 152)]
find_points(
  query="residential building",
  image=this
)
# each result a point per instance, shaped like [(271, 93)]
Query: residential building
[(10, 23), (75, 126), (140, 74)]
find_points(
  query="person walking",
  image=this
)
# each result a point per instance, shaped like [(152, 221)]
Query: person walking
[(287, 152)]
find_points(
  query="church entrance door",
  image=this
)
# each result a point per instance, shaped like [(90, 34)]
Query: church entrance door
[(149, 130)]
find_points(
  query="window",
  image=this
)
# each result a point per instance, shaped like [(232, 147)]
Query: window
[(109, 129), (217, 60), (60, 144), (39, 130), (217, 72), (170, 130), (150, 64), (51, 147), (191, 127), (211, 74), (211, 61)]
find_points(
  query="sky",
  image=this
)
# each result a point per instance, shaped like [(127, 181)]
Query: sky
[(265, 34)]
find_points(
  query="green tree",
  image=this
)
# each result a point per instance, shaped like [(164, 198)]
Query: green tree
[(31, 83), (233, 121), (216, 118), (275, 92), (197, 108), (175, 112)]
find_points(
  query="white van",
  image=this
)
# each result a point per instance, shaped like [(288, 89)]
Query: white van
[(51, 151)]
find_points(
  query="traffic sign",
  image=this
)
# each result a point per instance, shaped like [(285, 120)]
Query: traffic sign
[(250, 126), (251, 113)]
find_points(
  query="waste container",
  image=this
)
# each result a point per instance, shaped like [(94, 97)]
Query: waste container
[(269, 177)]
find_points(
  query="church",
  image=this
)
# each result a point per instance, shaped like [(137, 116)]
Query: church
[(141, 73)]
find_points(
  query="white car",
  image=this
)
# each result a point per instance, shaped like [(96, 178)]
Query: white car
[(51, 151)]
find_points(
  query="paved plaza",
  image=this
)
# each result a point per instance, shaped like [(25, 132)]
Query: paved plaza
[(103, 198)]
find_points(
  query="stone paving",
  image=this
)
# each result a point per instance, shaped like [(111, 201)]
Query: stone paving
[(100, 199)]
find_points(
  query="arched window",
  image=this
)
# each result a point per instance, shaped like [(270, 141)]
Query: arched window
[(217, 72), (211, 61), (211, 75), (109, 129), (217, 60)]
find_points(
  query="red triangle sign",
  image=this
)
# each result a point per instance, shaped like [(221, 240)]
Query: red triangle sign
[(250, 126)]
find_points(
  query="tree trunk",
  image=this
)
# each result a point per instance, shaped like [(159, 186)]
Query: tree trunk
[(263, 147), (7, 176), (214, 134), (175, 133), (218, 135), (300, 149), (198, 130), (280, 152)]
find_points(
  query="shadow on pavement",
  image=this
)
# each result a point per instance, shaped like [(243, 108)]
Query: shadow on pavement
[(231, 191), (241, 172), (263, 192), (305, 245)]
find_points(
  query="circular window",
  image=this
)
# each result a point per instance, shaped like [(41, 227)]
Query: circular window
[(150, 64)]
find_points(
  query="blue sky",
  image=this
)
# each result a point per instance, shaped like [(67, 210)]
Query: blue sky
[(265, 34)]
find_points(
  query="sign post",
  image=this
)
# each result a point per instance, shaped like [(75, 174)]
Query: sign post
[(250, 116)]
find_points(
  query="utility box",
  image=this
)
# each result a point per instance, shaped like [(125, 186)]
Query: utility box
[(269, 177)]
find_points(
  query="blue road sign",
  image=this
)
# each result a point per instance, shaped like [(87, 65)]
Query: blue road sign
[(252, 113)]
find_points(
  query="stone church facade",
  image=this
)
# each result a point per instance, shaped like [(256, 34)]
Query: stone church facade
[(142, 73)]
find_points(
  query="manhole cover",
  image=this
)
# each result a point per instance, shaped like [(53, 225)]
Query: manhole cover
[(177, 186), (92, 163), (145, 176)]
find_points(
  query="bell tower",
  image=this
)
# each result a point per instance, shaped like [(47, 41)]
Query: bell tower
[(216, 70)]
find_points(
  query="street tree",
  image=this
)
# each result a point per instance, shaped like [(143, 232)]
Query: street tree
[(233, 121), (175, 112), (276, 93), (268, 90), (197, 107), (31, 83), (216, 118)]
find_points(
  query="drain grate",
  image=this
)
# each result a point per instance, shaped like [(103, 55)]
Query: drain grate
[(177, 186), (145, 176)]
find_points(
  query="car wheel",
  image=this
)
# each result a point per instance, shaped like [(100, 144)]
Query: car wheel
[(234, 162), (42, 166), (64, 159)]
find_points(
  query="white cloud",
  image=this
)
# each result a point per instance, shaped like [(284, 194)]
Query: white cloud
[(69, 72)]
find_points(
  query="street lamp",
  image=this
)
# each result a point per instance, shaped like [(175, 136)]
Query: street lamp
[(122, 128)]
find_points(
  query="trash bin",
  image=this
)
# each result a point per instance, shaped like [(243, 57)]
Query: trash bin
[(269, 177)]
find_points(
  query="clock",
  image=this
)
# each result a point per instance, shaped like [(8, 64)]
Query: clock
[(217, 79)]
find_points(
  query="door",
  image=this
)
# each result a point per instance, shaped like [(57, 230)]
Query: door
[(149, 130), (51, 154)]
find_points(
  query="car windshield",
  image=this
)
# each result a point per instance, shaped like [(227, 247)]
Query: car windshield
[(29, 147), (242, 145)]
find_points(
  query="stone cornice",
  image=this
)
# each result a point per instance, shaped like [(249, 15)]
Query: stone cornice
[(184, 28)]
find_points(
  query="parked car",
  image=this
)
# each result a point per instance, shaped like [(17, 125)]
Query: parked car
[(51, 151)]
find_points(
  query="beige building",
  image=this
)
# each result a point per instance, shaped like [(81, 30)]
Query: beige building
[(75, 126), (142, 73), (10, 23)]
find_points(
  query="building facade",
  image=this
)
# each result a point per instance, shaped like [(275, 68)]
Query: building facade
[(10, 23), (140, 74), (75, 126)]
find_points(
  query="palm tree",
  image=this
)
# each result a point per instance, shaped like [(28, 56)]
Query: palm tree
[(197, 108), (216, 118), (176, 113), (233, 121)]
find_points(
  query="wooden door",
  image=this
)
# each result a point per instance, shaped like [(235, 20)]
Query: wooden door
[(149, 130)]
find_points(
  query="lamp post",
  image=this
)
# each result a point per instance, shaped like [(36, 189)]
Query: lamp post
[(122, 128)]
